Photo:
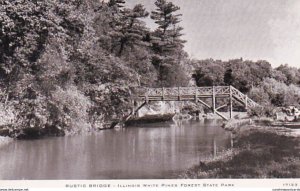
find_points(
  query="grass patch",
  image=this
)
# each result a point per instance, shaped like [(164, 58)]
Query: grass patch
[(258, 153)]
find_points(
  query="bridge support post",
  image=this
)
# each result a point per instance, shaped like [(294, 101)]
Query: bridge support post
[(214, 100), (146, 97), (133, 108), (196, 94), (179, 97), (230, 102)]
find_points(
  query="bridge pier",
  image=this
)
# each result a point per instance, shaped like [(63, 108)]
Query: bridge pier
[(214, 99), (133, 108), (196, 94), (230, 103)]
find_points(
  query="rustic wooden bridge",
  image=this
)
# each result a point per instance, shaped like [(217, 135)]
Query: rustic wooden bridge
[(197, 94)]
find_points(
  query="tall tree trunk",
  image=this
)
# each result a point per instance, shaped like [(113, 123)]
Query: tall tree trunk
[(121, 48)]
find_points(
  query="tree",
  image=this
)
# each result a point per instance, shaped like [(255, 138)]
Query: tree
[(53, 67), (247, 74), (259, 95), (116, 3), (168, 32), (166, 42), (228, 77), (209, 73), (25, 27), (128, 29), (278, 76), (292, 74)]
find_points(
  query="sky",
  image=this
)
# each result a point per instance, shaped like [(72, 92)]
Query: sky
[(249, 29)]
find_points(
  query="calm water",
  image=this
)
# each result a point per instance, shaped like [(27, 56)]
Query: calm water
[(154, 151)]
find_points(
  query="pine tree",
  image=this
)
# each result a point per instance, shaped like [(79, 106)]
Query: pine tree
[(167, 43), (117, 3), (128, 29), (228, 77), (115, 7), (168, 32)]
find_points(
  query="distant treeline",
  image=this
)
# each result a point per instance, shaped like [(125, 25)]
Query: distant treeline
[(266, 85)]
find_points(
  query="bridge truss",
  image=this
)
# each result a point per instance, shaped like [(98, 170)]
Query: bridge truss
[(197, 94)]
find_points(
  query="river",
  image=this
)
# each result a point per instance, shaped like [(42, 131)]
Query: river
[(160, 150)]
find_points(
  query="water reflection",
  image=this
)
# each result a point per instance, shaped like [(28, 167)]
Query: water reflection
[(152, 151)]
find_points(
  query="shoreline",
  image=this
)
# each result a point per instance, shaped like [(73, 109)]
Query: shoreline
[(149, 119), (231, 125)]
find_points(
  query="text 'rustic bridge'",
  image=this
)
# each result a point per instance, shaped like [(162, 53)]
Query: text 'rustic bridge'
[(197, 94)]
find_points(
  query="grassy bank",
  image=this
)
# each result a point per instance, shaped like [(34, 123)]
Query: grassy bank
[(259, 152)]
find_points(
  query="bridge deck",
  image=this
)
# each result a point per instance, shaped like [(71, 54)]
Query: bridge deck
[(192, 93), (196, 94)]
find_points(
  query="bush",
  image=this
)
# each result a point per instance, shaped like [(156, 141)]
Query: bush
[(73, 107), (259, 111), (7, 114), (276, 93)]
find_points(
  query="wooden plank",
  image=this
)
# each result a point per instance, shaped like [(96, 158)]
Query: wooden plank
[(134, 111), (221, 115), (205, 104), (231, 103), (218, 108)]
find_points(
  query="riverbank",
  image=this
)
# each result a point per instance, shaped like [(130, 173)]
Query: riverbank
[(259, 151), (149, 119)]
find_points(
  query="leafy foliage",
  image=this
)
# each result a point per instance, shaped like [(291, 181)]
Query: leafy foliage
[(276, 93), (69, 65), (209, 73), (241, 74), (291, 74), (268, 87)]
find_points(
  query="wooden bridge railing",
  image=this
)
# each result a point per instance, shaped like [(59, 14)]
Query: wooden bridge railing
[(239, 96), (191, 93), (194, 94), (184, 91)]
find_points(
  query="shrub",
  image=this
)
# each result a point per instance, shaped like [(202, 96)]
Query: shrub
[(7, 114), (73, 107), (259, 111)]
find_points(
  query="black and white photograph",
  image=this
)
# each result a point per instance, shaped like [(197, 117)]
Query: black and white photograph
[(149, 90)]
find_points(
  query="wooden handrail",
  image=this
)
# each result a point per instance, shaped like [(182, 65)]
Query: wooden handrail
[(196, 94), (181, 92)]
